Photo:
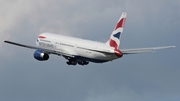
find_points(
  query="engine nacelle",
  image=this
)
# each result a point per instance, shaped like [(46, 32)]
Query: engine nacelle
[(41, 56)]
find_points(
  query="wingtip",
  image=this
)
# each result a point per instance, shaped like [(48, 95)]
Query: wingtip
[(169, 47), (7, 41), (172, 46)]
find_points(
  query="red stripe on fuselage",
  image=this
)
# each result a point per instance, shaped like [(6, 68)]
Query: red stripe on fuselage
[(120, 24), (118, 53), (41, 37)]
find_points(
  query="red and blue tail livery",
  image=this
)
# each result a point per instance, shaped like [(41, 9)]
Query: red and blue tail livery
[(115, 37)]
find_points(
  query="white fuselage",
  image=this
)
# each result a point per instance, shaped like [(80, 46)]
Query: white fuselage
[(79, 48)]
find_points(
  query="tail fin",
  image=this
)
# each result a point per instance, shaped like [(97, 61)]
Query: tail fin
[(115, 37)]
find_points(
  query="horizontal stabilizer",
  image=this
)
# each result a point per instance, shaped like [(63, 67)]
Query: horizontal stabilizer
[(142, 50)]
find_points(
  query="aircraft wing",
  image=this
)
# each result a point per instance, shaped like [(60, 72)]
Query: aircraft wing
[(49, 51), (124, 51), (142, 50)]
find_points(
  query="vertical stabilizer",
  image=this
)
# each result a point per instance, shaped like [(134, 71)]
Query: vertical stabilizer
[(115, 37)]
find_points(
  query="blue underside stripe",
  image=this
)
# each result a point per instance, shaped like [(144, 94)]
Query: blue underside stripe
[(90, 59)]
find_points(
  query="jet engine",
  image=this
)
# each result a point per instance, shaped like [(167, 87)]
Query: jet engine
[(40, 55)]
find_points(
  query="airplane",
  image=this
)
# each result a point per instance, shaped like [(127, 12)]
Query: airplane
[(82, 51)]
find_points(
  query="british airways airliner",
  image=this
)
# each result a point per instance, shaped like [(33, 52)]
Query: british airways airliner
[(81, 51)]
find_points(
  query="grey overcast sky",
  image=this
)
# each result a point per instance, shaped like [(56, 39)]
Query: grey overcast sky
[(143, 77)]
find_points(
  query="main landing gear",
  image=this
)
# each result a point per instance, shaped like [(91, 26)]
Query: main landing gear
[(75, 62)]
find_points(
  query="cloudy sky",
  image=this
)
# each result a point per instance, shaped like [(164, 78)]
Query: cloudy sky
[(143, 77)]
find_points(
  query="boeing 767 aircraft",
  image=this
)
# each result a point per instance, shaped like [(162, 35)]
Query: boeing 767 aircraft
[(80, 51)]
